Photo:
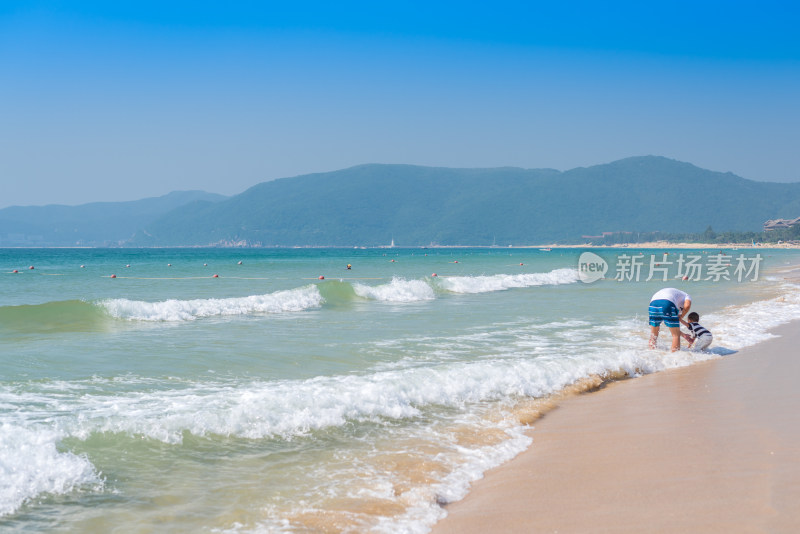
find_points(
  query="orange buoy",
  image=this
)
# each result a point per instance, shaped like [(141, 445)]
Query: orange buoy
[(31, 267), (685, 277), (113, 276), (321, 277), (16, 271), (455, 261), (522, 264), (215, 276), (434, 274), (392, 261)]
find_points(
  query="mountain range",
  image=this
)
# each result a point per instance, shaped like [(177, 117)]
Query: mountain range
[(94, 224), (370, 205)]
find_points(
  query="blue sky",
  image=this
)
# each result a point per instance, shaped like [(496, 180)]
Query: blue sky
[(123, 100)]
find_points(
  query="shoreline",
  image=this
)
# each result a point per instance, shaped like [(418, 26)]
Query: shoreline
[(550, 247), (668, 245), (705, 448)]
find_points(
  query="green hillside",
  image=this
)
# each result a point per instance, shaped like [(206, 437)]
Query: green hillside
[(94, 224), (371, 204)]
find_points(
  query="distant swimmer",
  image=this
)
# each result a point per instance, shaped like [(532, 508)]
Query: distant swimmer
[(349, 266), (668, 305)]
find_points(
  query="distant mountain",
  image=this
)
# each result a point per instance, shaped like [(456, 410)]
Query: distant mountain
[(95, 224), (372, 204)]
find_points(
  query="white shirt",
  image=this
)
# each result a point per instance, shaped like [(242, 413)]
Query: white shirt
[(675, 296)]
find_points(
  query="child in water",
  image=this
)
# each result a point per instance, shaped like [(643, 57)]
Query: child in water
[(698, 335)]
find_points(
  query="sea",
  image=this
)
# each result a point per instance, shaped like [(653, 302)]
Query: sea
[(276, 390)]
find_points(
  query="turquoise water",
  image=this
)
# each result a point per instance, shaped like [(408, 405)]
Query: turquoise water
[(267, 399)]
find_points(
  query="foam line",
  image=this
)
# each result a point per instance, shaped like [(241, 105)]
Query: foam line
[(188, 310)]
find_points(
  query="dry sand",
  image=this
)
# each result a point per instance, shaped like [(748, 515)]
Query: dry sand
[(714, 447)]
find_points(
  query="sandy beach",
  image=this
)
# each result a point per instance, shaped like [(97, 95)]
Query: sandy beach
[(714, 447), (670, 245)]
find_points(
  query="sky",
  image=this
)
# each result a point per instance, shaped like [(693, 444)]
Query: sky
[(112, 101)]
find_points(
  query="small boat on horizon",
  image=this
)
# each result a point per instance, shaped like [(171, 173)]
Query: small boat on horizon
[(548, 249)]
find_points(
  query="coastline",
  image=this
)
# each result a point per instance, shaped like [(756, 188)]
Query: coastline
[(668, 245), (713, 447), (550, 247)]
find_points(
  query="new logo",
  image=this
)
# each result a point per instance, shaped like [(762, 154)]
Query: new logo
[(591, 267)]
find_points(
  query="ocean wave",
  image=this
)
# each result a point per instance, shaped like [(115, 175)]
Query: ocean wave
[(745, 325), (292, 300), (31, 465), (57, 316), (501, 282), (535, 362), (398, 290), (274, 410), (296, 407)]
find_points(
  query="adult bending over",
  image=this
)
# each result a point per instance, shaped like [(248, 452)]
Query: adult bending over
[(668, 305)]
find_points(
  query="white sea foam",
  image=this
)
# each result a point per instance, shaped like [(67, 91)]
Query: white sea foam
[(745, 325), (533, 361), (292, 407), (398, 290), (500, 282), (293, 300), (425, 510), (31, 465)]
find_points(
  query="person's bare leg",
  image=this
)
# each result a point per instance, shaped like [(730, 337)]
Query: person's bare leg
[(676, 337), (653, 336)]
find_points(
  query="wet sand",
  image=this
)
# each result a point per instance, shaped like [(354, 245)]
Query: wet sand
[(714, 447)]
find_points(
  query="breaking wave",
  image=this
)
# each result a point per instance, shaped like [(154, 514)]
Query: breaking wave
[(293, 300), (398, 290), (501, 282)]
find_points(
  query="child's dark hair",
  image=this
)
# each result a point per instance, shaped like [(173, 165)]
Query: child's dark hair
[(693, 317)]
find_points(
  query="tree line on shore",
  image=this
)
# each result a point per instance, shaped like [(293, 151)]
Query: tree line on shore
[(782, 235)]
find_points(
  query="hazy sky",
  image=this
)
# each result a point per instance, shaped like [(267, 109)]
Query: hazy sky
[(119, 100)]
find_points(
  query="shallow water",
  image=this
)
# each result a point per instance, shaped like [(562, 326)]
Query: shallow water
[(267, 399)]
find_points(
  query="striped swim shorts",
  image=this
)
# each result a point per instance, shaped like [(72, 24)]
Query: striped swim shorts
[(663, 310)]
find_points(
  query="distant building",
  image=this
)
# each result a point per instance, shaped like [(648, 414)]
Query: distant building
[(778, 224)]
